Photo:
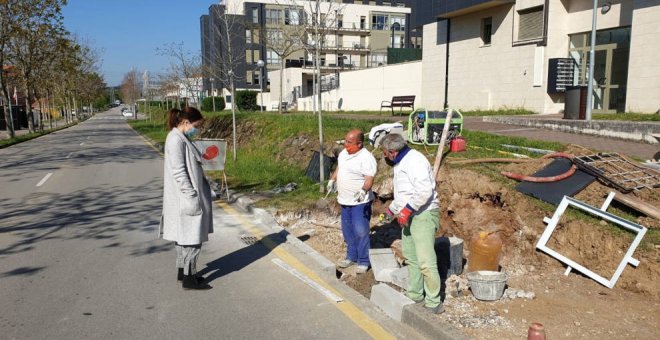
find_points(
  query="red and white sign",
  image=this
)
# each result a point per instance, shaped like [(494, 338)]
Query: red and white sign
[(214, 152)]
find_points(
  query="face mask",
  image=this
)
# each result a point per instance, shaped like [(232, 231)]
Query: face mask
[(190, 133), (352, 148)]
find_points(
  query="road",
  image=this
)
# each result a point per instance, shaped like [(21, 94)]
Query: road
[(79, 210)]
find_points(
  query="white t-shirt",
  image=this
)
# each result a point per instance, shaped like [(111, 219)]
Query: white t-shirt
[(351, 172)]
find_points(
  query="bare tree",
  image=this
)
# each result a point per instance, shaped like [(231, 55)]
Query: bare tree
[(224, 60), (185, 67), (7, 27), (130, 88)]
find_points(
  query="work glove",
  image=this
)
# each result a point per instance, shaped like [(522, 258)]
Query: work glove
[(404, 217), (332, 186), (387, 217), (360, 195)]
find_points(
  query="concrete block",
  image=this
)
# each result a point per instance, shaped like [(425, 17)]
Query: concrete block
[(383, 263), (389, 300), (400, 277)]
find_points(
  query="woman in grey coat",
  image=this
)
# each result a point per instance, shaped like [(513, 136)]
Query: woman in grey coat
[(187, 218)]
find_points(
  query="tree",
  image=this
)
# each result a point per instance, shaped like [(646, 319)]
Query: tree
[(130, 89), (41, 24), (286, 38), (185, 68), (223, 61), (8, 20)]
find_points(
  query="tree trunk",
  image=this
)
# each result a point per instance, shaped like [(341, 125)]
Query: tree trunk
[(30, 114), (9, 118), (318, 84), (233, 114)]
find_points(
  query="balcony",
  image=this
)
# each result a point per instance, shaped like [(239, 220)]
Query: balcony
[(454, 8)]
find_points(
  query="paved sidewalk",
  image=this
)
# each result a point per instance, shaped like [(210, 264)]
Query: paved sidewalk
[(605, 144)]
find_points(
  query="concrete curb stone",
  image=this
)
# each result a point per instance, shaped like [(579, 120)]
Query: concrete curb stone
[(417, 318)]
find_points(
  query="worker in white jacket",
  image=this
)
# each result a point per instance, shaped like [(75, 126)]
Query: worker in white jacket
[(416, 207)]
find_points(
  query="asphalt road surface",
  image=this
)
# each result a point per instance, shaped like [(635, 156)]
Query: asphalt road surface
[(79, 257)]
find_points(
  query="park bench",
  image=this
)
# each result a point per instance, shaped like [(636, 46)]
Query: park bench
[(398, 101), (285, 106)]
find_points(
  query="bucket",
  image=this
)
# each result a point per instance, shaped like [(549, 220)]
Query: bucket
[(487, 285)]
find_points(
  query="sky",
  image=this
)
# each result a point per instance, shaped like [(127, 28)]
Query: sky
[(126, 33)]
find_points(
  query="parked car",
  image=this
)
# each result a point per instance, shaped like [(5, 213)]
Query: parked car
[(127, 113)]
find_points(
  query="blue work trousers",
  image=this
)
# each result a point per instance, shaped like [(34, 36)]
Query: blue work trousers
[(355, 227)]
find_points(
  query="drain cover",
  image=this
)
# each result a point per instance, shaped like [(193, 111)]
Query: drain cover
[(249, 239)]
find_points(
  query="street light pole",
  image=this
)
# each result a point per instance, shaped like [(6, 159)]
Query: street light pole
[(212, 93), (261, 64), (592, 59)]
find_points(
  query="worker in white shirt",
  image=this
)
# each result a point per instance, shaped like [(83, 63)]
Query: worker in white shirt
[(353, 178), (416, 208)]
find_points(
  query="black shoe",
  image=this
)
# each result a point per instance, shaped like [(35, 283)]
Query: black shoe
[(179, 276), (193, 282)]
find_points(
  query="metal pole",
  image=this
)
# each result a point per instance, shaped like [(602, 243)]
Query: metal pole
[(592, 60)]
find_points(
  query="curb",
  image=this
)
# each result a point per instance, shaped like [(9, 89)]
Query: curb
[(413, 316), (634, 131)]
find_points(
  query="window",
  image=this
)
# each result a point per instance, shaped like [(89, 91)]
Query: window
[(399, 20), (275, 37), (249, 77), (248, 36), (530, 23), (255, 15), (272, 58), (248, 56), (291, 17), (378, 22), (486, 30), (273, 16), (378, 59)]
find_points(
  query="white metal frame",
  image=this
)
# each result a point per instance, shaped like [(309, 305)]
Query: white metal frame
[(602, 213)]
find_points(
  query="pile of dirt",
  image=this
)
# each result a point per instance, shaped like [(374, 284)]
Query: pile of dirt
[(471, 202), (222, 128)]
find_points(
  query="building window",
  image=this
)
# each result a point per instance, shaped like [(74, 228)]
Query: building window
[(248, 56), (379, 22), (249, 77), (401, 21), (291, 17), (273, 17), (378, 59), (486, 30), (275, 37), (530, 23), (248, 37), (255, 15), (272, 58)]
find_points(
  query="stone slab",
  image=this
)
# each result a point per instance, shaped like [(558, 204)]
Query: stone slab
[(389, 300), (383, 263)]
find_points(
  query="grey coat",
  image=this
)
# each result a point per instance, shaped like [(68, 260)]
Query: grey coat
[(187, 217)]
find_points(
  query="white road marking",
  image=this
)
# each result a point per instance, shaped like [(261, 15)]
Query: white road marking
[(43, 180), (307, 280), (69, 155), (83, 143)]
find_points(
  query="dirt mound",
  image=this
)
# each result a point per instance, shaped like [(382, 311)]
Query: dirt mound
[(221, 128)]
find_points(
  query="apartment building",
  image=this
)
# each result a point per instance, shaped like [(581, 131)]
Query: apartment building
[(354, 35), (492, 54)]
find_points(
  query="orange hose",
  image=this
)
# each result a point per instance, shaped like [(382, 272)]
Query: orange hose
[(568, 173)]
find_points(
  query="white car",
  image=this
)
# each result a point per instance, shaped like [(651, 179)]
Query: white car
[(127, 113)]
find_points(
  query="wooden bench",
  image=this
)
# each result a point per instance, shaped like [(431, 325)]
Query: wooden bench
[(398, 101)]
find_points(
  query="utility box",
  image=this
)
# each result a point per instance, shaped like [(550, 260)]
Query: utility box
[(575, 103)]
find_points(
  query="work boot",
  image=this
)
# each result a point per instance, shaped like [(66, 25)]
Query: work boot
[(192, 282), (439, 309), (179, 276), (362, 269)]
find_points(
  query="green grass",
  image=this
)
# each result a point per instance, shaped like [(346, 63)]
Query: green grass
[(631, 117)]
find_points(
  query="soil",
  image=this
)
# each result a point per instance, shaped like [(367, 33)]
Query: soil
[(572, 306)]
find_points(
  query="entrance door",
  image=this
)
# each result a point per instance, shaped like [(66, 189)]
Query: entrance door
[(610, 67)]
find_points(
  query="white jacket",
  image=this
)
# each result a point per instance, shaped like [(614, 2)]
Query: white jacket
[(414, 185)]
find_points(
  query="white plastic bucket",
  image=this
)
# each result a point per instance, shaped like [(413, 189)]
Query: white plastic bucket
[(487, 285)]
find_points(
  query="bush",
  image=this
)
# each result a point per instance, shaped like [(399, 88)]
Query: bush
[(207, 104), (246, 100)]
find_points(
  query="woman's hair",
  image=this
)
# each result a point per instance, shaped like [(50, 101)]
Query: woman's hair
[(175, 116)]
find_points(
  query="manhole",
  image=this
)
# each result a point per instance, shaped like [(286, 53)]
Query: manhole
[(249, 239)]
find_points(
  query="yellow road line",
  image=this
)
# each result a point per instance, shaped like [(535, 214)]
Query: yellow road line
[(356, 315)]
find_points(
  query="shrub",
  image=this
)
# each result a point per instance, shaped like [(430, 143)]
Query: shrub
[(246, 100), (207, 104)]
